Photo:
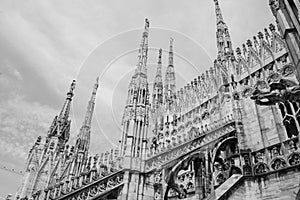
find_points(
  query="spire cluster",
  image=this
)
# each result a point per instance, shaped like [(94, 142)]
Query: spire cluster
[(192, 116)]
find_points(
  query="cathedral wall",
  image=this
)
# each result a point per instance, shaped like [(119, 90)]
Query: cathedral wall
[(267, 125), (253, 137), (262, 125), (282, 185)]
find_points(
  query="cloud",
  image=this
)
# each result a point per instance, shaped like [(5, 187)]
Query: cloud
[(43, 46), (21, 122)]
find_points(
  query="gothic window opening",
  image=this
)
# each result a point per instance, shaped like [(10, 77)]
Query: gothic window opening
[(290, 120), (290, 126), (282, 110), (295, 106), (288, 108)]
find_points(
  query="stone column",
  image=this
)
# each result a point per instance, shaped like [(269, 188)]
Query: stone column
[(289, 26), (198, 178)]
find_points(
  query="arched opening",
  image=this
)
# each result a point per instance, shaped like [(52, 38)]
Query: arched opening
[(234, 170), (175, 188), (290, 121), (282, 110), (224, 157), (290, 126)]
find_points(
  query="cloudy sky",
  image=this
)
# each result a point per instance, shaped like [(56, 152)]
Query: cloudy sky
[(46, 44)]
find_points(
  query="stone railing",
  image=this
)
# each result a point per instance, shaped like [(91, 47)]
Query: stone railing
[(198, 141), (83, 187), (94, 189), (272, 159)]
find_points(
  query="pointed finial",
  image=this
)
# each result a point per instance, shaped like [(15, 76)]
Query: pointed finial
[(238, 51), (64, 114), (72, 87), (90, 108), (71, 90), (96, 85), (171, 52), (146, 23), (70, 93), (218, 11), (272, 28), (143, 50), (159, 56), (146, 28), (260, 35), (171, 44), (249, 43)]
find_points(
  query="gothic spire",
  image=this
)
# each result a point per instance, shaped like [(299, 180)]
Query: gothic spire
[(224, 43), (171, 52), (143, 50), (136, 113), (83, 138), (158, 77), (218, 12), (90, 109), (170, 85), (64, 113), (158, 84), (84, 135), (60, 126)]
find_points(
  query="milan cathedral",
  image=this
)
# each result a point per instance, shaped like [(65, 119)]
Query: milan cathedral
[(230, 133)]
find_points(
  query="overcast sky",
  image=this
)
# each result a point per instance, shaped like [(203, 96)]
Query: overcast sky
[(46, 44)]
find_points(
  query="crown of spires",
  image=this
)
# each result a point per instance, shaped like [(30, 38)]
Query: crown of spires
[(143, 50)]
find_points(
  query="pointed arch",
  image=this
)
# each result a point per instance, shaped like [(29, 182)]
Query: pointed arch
[(253, 55), (266, 48)]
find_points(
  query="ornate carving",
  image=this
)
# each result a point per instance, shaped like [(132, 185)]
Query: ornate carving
[(282, 87), (278, 163), (294, 158), (260, 168), (171, 175)]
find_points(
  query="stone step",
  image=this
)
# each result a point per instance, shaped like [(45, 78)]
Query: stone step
[(227, 185)]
